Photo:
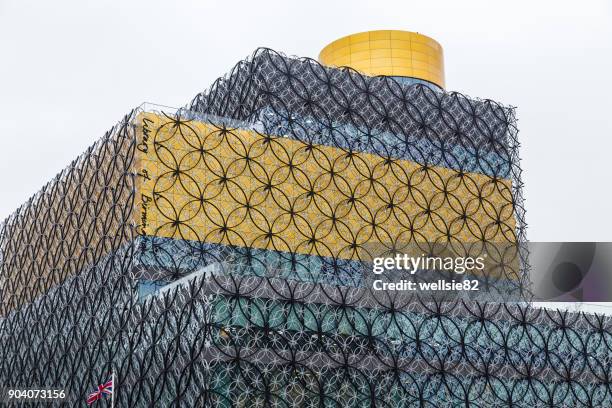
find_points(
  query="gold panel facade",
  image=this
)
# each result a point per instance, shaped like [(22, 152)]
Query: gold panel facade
[(235, 186), (70, 224), (388, 52)]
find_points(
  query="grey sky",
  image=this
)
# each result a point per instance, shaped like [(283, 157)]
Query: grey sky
[(70, 69)]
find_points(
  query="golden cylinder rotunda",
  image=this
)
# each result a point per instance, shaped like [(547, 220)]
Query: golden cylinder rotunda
[(401, 54)]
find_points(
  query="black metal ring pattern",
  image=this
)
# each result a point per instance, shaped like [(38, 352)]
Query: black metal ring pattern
[(72, 260), (214, 184)]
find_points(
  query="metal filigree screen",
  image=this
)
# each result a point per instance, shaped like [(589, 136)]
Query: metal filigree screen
[(218, 255)]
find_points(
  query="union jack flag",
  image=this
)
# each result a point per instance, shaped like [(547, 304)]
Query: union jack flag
[(104, 389)]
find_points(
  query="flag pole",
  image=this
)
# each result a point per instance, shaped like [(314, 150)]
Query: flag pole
[(113, 393)]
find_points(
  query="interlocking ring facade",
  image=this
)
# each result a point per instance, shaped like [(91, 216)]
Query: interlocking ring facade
[(217, 255)]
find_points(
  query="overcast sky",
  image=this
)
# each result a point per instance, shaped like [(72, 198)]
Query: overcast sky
[(69, 70)]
